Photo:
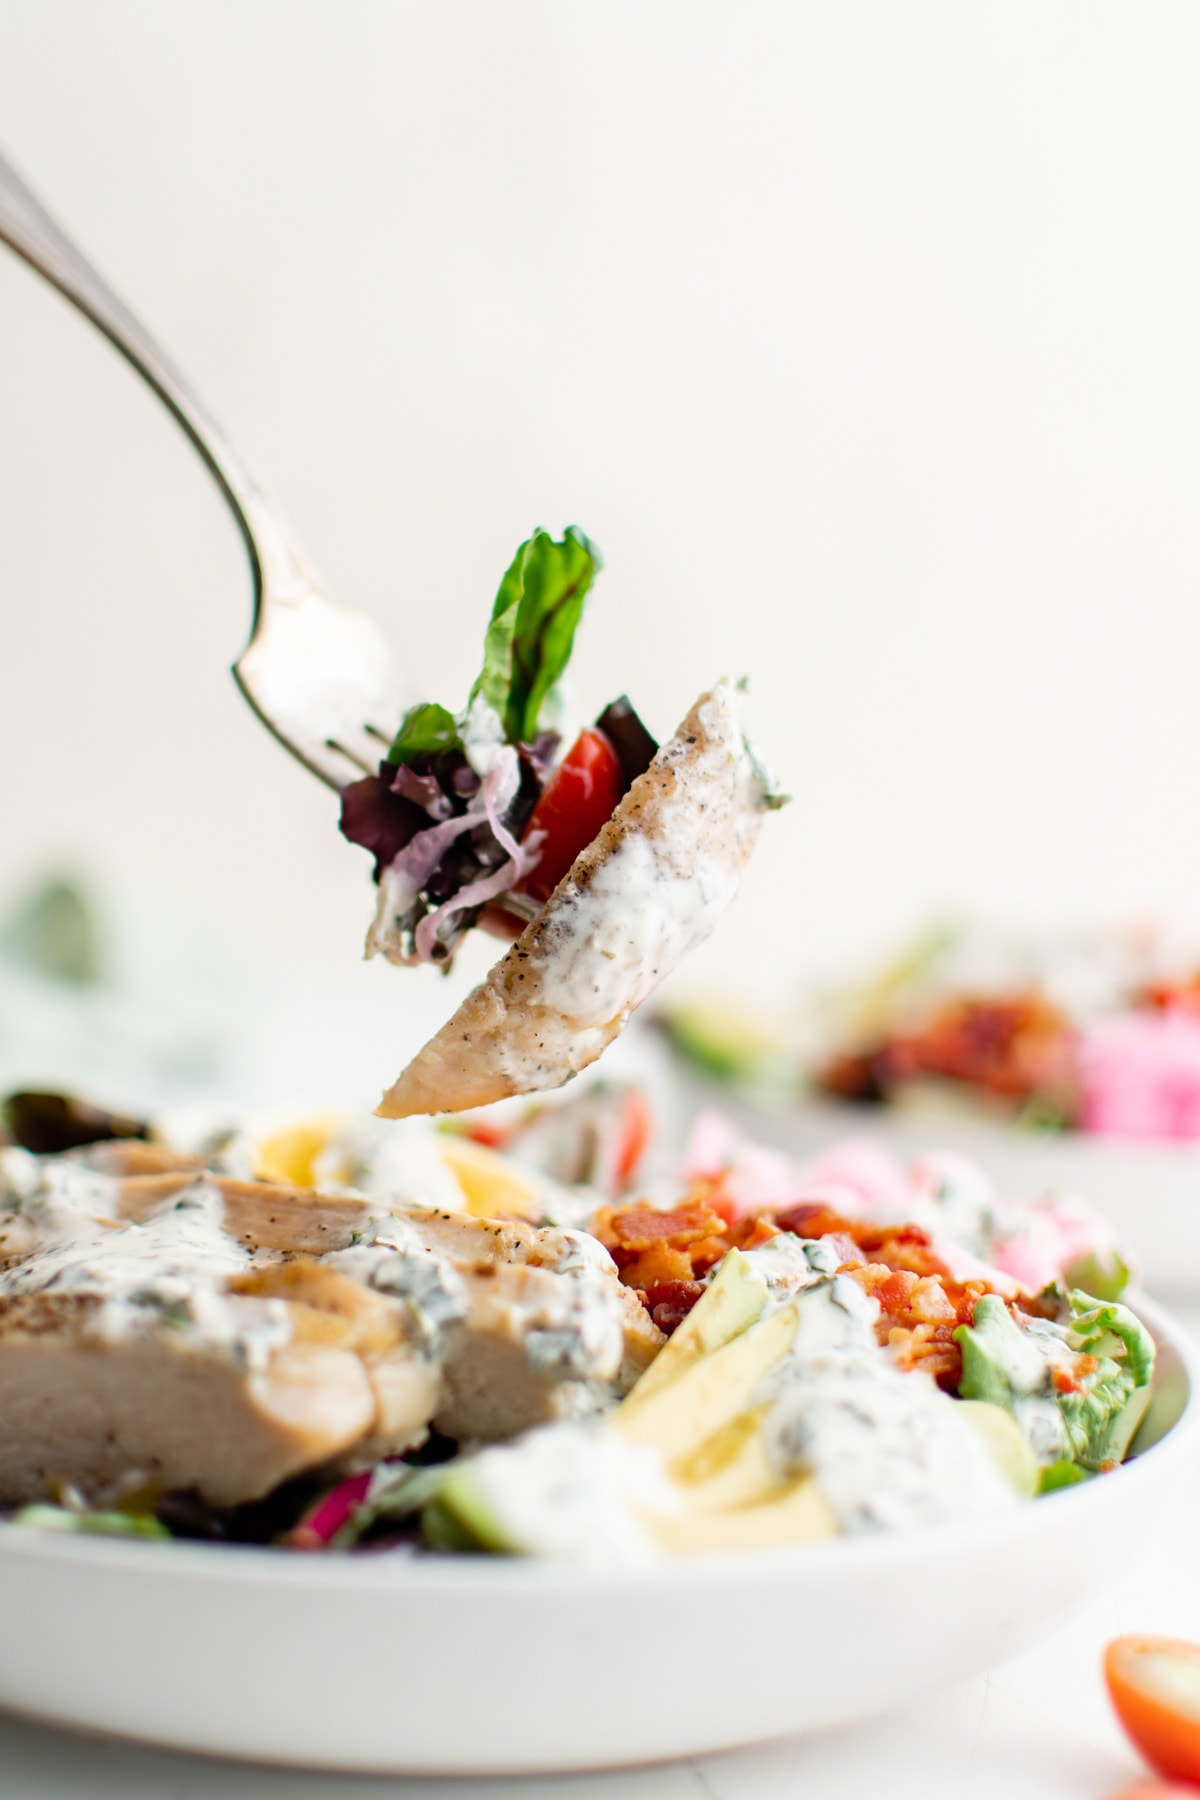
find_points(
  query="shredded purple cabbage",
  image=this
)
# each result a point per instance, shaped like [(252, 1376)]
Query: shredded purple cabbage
[(447, 841), (497, 793), (425, 790)]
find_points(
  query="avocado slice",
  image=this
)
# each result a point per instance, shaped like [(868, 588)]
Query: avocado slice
[(731, 1465), (1005, 1443), (733, 1300), (710, 1392), (460, 1516), (731, 1496), (795, 1514)]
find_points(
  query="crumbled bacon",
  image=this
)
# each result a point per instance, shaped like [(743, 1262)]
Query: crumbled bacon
[(918, 1316), (670, 1302), (899, 1246), (758, 1232), (661, 1262), (707, 1253), (928, 1347), (635, 1227), (664, 1255)]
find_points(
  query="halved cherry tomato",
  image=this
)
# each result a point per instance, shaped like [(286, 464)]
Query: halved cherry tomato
[(578, 799), (1154, 1683)]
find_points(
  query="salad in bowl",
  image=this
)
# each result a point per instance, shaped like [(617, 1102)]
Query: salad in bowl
[(530, 1335)]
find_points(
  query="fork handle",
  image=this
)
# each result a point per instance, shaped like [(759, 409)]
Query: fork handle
[(25, 225)]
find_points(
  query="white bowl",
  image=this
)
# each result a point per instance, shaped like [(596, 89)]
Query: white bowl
[(488, 1666)]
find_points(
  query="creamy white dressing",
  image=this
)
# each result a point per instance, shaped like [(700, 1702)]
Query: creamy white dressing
[(569, 1317), (1029, 1354), (586, 1342), (647, 905), (396, 1263), (888, 1449), (581, 1337), (84, 1247), (569, 1492), (571, 1322), (652, 898), (19, 1176), (1044, 1428), (482, 736), (837, 1315), (171, 1270), (399, 1161), (789, 1264)]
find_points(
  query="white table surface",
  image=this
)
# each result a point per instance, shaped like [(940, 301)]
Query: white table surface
[(1039, 1727)]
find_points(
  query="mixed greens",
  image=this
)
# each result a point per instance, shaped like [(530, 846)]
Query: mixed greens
[(450, 815)]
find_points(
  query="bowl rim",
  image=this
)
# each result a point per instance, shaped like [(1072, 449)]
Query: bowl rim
[(273, 1569)]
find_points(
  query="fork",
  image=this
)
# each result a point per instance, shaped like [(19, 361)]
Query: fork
[(320, 677)]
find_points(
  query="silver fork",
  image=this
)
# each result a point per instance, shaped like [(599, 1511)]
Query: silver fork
[(319, 676)]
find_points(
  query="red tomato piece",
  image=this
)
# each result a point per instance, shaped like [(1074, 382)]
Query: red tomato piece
[(634, 1133), (579, 798), (1154, 1684)]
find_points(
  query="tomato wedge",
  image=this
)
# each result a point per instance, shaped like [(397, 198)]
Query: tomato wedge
[(1154, 1683), (578, 799)]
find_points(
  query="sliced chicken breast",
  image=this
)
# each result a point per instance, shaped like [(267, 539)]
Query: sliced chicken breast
[(648, 888)]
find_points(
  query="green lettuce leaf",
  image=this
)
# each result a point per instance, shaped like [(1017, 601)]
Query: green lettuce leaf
[(532, 629), (97, 1524), (1012, 1364), (424, 730), (1061, 1475), (1090, 1413), (1108, 1329), (527, 646)]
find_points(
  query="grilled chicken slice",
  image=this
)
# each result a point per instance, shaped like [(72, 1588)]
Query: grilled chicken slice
[(162, 1408), (182, 1337), (533, 1323), (647, 889), (331, 1310), (164, 1325), (535, 1346)]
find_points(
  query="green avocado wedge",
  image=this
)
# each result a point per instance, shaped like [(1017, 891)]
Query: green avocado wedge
[(1005, 1443), (711, 1390), (460, 1516), (732, 1302)]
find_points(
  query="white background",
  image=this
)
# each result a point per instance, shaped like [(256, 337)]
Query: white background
[(862, 338)]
